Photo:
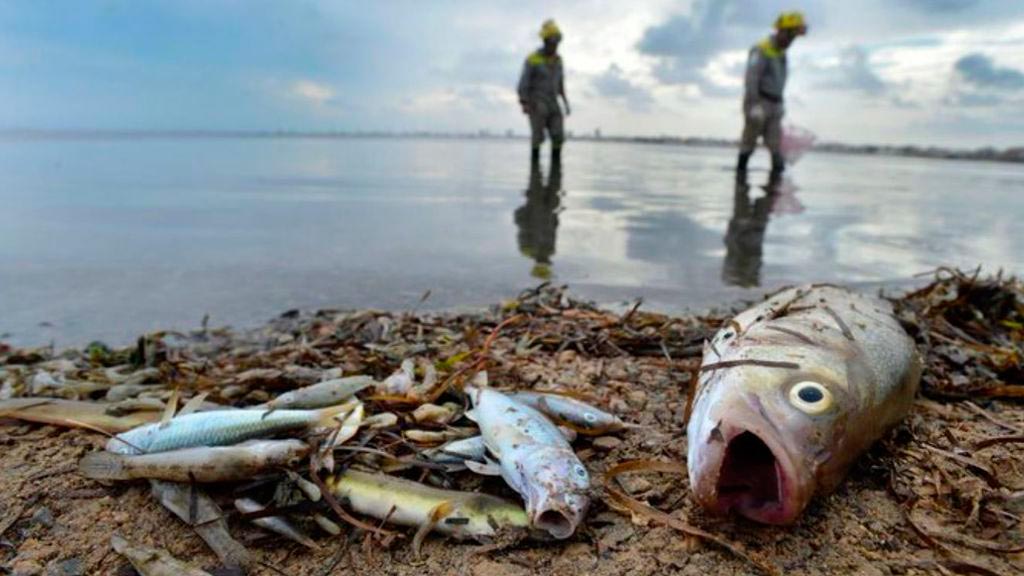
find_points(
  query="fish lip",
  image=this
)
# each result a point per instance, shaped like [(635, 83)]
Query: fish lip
[(559, 517), (792, 495)]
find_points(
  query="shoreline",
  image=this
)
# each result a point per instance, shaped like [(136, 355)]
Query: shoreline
[(1011, 155)]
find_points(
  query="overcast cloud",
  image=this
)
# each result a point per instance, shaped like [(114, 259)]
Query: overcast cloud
[(923, 71)]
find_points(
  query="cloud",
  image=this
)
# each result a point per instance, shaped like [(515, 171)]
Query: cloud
[(312, 92), (683, 44), (613, 84), (853, 72), (980, 71), (941, 5)]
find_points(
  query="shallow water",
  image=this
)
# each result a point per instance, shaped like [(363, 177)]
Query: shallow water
[(105, 239)]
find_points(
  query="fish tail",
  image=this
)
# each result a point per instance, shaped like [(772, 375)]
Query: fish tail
[(103, 466), (331, 416)]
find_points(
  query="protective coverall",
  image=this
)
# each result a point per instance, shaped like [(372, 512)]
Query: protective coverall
[(539, 86), (762, 100)]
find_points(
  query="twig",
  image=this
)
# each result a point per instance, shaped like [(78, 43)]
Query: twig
[(985, 414), (750, 362)]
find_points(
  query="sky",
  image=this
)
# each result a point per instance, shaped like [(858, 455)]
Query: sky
[(927, 72)]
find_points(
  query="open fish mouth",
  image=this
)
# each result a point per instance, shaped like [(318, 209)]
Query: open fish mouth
[(754, 480), (555, 523), (560, 514)]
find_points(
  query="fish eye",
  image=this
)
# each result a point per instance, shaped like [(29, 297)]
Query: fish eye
[(810, 397), (581, 472), (589, 417)]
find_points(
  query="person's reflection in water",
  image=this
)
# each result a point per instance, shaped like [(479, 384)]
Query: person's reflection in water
[(744, 238), (537, 220)]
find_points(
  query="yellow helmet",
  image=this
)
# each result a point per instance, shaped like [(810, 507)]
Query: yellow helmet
[(791, 21), (550, 30)]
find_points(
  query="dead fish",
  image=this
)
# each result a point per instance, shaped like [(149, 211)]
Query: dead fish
[(275, 524), (534, 458), (407, 503), (73, 413), (790, 393), (200, 464), (327, 393), (200, 512), (572, 413), (153, 561), (221, 427)]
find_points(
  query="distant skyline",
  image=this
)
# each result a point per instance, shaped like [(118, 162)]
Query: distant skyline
[(943, 72)]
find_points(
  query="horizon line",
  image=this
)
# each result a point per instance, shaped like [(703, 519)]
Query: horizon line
[(595, 135)]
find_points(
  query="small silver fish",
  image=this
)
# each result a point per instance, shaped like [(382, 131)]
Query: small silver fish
[(326, 393), (534, 458), (572, 413), (790, 393), (200, 464), (222, 427)]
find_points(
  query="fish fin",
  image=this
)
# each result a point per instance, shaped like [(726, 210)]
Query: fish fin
[(193, 404), (471, 414), (568, 433), (437, 513), (331, 416), (490, 468), (102, 466), (169, 410)]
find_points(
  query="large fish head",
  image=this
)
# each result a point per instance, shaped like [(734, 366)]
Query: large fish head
[(759, 438), (556, 489)]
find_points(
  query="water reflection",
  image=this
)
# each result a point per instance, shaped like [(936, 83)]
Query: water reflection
[(537, 220), (744, 237)]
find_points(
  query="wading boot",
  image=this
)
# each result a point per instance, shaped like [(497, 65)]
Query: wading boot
[(556, 155), (741, 165), (534, 155), (778, 167)]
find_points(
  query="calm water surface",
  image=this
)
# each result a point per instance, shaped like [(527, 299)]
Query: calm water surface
[(104, 239)]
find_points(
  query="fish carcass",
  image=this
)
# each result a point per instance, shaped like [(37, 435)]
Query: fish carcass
[(790, 393), (534, 458), (224, 427)]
